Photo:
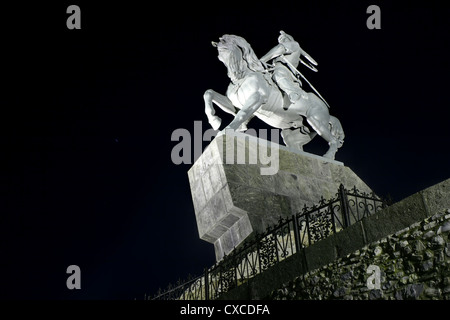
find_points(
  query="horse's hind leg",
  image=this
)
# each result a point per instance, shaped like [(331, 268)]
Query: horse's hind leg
[(295, 138), (320, 122), (222, 101)]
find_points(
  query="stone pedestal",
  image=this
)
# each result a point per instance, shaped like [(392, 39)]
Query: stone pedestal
[(233, 199)]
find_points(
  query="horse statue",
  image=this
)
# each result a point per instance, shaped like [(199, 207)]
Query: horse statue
[(253, 92)]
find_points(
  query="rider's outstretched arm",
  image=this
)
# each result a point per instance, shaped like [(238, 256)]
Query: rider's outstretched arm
[(273, 53)]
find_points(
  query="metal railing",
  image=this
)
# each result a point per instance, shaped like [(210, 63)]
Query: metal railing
[(279, 242)]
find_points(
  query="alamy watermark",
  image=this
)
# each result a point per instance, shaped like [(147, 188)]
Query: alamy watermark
[(265, 152), (374, 280), (74, 20), (74, 280), (374, 20)]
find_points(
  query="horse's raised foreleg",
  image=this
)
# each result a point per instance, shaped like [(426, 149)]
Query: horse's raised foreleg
[(222, 101)]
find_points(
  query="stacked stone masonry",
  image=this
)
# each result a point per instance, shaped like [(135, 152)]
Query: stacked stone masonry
[(414, 263)]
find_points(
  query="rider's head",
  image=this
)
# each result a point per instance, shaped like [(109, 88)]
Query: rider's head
[(284, 37)]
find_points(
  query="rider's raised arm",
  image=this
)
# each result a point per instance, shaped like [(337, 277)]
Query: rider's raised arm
[(273, 53)]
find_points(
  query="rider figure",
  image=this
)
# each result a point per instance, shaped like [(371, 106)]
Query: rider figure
[(287, 50)]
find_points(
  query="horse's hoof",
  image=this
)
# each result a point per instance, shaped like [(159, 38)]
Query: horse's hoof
[(220, 133), (215, 122), (242, 128), (329, 155), (229, 129)]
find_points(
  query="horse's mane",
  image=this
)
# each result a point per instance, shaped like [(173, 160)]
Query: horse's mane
[(247, 58), (248, 54)]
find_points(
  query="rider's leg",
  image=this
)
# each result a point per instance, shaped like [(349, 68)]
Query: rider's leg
[(288, 84)]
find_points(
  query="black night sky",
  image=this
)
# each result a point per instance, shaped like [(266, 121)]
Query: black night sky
[(87, 117)]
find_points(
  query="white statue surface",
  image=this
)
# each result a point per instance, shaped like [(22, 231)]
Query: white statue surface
[(273, 93)]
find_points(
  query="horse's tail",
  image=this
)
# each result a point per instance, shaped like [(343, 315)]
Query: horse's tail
[(336, 130)]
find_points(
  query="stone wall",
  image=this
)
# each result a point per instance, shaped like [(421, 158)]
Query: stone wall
[(414, 263), (336, 267)]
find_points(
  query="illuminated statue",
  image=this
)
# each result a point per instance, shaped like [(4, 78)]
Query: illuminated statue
[(255, 91)]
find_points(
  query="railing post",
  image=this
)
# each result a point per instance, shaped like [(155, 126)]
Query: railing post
[(258, 253), (235, 272), (307, 228), (333, 222), (344, 205), (296, 234), (299, 246), (206, 284)]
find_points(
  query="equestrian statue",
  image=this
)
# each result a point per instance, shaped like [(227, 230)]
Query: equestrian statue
[(273, 93)]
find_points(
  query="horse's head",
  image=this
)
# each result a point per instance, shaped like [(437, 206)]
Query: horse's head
[(237, 55), (227, 47)]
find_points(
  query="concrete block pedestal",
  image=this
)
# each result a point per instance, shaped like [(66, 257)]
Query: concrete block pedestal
[(234, 197)]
